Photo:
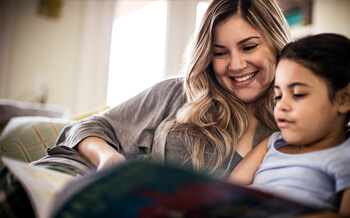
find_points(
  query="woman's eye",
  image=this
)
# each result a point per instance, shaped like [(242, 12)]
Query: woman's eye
[(250, 48), (219, 53)]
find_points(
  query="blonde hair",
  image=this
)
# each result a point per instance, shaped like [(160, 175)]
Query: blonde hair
[(212, 115)]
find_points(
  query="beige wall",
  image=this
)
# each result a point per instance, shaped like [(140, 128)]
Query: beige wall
[(180, 26), (332, 16), (42, 53), (64, 61)]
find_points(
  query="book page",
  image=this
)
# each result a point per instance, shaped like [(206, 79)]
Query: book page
[(41, 185)]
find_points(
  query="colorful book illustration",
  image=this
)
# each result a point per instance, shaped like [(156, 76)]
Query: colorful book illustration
[(148, 189)]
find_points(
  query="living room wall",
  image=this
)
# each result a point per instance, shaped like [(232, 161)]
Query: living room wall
[(31, 76), (61, 61)]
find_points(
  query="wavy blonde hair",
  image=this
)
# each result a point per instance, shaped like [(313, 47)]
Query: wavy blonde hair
[(215, 117)]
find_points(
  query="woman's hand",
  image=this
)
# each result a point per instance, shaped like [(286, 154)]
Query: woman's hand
[(99, 153), (110, 159)]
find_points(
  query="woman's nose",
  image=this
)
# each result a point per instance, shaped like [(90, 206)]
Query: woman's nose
[(237, 63)]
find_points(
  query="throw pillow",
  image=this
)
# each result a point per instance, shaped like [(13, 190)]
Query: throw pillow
[(27, 138)]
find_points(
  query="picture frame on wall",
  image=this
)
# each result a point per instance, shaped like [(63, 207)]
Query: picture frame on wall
[(297, 12)]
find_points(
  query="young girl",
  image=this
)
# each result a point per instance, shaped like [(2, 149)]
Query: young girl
[(308, 160)]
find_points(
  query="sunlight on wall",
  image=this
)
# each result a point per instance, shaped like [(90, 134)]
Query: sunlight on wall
[(201, 8), (137, 52)]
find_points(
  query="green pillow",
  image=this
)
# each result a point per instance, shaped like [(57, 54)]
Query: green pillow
[(27, 138)]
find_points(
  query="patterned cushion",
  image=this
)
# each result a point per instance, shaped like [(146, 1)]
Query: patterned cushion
[(26, 138)]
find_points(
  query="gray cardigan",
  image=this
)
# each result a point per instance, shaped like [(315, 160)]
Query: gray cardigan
[(137, 128)]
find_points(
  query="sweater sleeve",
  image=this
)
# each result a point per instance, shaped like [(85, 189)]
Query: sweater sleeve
[(130, 127)]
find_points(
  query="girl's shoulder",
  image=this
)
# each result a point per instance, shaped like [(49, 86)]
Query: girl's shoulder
[(276, 137)]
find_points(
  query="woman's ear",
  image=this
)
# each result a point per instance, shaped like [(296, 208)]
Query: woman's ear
[(343, 100)]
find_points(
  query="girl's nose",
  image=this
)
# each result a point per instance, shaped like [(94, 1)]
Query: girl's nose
[(283, 104)]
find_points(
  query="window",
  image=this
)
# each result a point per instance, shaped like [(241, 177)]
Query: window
[(201, 8), (137, 49)]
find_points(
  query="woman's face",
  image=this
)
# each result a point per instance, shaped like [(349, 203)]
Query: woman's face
[(243, 61)]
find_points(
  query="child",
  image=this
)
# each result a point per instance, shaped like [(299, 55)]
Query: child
[(309, 159)]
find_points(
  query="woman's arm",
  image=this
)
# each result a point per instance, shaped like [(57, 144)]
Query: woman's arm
[(244, 172), (99, 153), (128, 129)]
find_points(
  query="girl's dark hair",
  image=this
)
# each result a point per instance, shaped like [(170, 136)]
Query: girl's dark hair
[(328, 56)]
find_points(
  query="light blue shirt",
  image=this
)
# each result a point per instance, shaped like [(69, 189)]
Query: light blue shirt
[(315, 179)]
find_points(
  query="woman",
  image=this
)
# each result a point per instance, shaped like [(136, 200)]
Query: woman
[(213, 118)]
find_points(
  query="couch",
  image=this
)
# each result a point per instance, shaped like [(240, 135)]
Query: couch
[(28, 129)]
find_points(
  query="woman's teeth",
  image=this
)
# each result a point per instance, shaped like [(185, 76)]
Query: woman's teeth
[(242, 79)]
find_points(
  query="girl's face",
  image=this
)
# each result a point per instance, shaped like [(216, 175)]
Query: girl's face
[(303, 111), (243, 61)]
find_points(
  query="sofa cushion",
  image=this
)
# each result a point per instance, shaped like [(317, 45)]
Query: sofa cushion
[(27, 138), (11, 108)]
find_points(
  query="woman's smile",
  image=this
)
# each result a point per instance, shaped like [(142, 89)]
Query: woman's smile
[(244, 78)]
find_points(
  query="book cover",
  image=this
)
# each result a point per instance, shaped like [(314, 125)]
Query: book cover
[(145, 189), (148, 189)]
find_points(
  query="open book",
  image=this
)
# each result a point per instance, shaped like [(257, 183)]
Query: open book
[(42, 185), (144, 189)]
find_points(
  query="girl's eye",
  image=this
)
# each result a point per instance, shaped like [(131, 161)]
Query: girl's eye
[(299, 95), (277, 98), (250, 48)]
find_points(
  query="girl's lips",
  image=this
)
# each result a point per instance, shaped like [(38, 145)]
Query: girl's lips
[(282, 123)]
